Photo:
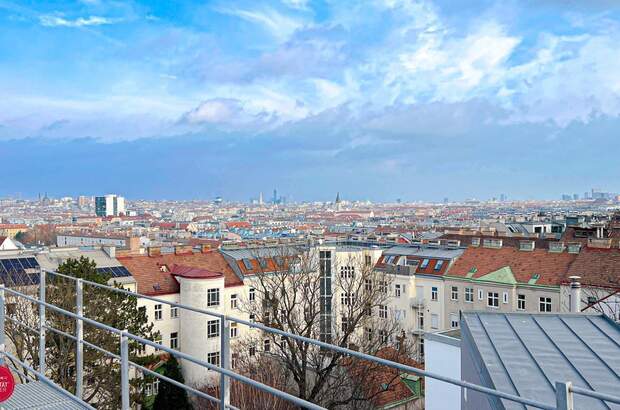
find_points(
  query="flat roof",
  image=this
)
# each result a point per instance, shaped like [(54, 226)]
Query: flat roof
[(525, 354)]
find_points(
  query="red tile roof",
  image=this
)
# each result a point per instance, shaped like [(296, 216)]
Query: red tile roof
[(151, 280), (597, 267), (194, 273), (382, 384), (552, 267)]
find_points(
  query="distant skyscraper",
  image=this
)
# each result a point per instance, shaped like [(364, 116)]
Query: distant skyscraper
[(575, 197), (109, 205), (503, 197), (84, 201), (260, 198), (275, 196)]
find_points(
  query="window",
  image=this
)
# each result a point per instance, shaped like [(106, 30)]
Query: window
[(434, 293), (397, 291), (252, 317), (247, 264), (438, 265), (345, 324), (421, 320), (454, 320), (252, 351), (234, 331), (545, 304), (347, 272), (148, 389), (252, 294), (493, 299), (213, 297), (267, 345), (233, 301), (383, 311), (454, 294), (368, 285), (505, 297), (158, 341), (174, 340), (158, 312), (368, 310), (262, 262), (346, 299), (368, 332), (480, 294), (368, 260), (434, 321), (469, 295), (213, 328), (424, 264), (234, 359), (383, 286), (520, 302), (384, 336), (213, 358), (174, 312)]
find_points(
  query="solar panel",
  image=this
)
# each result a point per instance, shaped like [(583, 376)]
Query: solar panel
[(13, 271), (114, 271)]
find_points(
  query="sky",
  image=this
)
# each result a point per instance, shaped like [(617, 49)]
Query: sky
[(377, 100)]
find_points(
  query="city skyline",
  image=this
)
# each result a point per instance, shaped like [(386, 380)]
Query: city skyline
[(377, 100)]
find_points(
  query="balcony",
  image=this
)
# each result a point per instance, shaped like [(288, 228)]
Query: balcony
[(418, 302)]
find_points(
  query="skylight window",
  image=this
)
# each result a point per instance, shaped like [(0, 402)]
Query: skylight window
[(424, 263)]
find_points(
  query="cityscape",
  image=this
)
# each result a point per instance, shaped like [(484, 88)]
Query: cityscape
[(309, 204)]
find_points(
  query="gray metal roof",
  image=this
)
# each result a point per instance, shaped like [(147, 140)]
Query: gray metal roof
[(38, 395), (525, 354), (262, 252), (51, 260), (425, 252)]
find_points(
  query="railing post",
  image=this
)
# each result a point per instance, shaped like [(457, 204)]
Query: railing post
[(79, 335), (124, 370), (2, 312), (225, 362), (563, 396), (42, 277)]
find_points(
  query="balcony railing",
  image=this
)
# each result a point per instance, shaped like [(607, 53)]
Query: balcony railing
[(564, 390)]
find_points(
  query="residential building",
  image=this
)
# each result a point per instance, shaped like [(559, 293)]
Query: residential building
[(110, 205)]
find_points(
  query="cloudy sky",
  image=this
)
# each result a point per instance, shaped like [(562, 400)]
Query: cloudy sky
[(378, 99)]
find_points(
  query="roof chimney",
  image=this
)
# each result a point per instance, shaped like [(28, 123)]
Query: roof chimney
[(575, 294)]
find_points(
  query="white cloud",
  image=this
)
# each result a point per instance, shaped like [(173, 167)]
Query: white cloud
[(279, 25), (57, 21), (297, 4)]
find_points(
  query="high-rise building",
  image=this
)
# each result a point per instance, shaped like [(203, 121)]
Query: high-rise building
[(260, 198), (84, 201), (109, 205), (275, 196)]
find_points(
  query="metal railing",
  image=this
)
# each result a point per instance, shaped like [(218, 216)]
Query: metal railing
[(564, 390)]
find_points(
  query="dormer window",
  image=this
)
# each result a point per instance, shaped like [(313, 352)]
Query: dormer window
[(438, 265), (247, 264), (424, 263)]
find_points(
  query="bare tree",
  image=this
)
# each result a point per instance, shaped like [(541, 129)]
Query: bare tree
[(265, 370), (299, 291)]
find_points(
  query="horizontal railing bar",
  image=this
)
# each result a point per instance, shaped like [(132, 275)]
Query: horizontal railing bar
[(22, 324), (48, 382), (251, 382), (64, 312), (86, 343), (174, 382), (595, 394), (138, 295), (328, 346)]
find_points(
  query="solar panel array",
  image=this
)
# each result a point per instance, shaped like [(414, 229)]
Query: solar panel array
[(115, 271), (13, 271)]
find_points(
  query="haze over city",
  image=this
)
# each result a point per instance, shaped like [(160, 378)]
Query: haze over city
[(380, 100)]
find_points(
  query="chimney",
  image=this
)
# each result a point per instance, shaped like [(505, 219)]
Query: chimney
[(575, 294), (205, 248), (182, 249), (110, 251), (154, 251)]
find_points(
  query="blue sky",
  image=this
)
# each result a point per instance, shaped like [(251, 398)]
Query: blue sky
[(379, 99)]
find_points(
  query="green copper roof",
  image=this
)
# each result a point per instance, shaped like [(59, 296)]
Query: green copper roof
[(533, 279), (503, 275)]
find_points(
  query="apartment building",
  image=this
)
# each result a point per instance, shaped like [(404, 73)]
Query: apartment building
[(416, 273), (505, 279)]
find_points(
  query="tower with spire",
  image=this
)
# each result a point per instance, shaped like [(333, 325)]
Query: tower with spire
[(338, 202)]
